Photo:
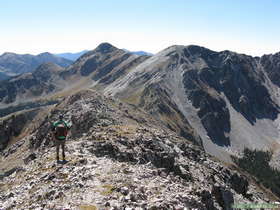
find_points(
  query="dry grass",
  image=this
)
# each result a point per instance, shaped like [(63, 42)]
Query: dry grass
[(133, 98), (107, 189), (87, 207), (125, 129)]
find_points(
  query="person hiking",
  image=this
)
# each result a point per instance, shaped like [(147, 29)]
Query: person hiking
[(59, 130)]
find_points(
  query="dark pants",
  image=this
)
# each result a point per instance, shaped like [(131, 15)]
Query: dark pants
[(58, 143)]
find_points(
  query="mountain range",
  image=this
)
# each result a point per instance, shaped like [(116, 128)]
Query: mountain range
[(71, 56), (12, 64), (75, 56), (222, 102)]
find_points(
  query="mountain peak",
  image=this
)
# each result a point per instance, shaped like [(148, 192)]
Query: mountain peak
[(45, 54), (105, 47), (102, 48), (187, 50), (7, 54)]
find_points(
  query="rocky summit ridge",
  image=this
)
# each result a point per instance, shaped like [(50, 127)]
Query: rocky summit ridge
[(119, 157)]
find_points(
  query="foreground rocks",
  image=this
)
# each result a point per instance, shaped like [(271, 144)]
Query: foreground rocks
[(119, 158)]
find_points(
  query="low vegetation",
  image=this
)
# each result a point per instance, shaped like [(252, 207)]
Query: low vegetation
[(257, 163)]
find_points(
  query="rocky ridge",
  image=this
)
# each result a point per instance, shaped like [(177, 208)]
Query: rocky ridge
[(118, 157)]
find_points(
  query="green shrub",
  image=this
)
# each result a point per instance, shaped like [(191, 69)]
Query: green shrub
[(257, 163)]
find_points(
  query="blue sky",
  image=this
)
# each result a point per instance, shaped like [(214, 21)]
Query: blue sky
[(245, 26)]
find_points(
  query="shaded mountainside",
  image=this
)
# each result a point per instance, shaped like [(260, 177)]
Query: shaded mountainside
[(271, 64), (3, 76), (13, 126), (13, 64), (43, 81), (118, 156)]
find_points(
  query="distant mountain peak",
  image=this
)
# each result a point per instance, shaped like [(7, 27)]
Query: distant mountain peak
[(72, 56), (45, 54), (102, 48), (138, 52), (15, 64), (7, 54), (105, 47)]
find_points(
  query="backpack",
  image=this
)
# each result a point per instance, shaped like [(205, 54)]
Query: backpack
[(60, 130)]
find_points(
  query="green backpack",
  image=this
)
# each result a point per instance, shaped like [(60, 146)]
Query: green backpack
[(61, 131)]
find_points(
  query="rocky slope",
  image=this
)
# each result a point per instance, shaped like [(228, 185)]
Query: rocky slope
[(13, 64), (118, 157), (226, 98)]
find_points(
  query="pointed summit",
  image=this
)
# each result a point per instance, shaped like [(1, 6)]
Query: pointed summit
[(45, 54), (102, 48), (105, 48)]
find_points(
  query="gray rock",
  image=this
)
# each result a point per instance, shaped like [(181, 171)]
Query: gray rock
[(29, 158), (239, 184), (223, 196)]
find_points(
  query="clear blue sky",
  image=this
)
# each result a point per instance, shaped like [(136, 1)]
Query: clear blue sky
[(34, 26)]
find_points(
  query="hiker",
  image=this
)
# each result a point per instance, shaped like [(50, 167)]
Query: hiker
[(59, 130)]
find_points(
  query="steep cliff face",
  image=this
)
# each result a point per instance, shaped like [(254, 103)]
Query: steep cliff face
[(13, 126), (118, 156), (239, 77), (271, 64)]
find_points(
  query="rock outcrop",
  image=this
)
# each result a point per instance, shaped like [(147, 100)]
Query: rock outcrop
[(271, 64), (12, 126)]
